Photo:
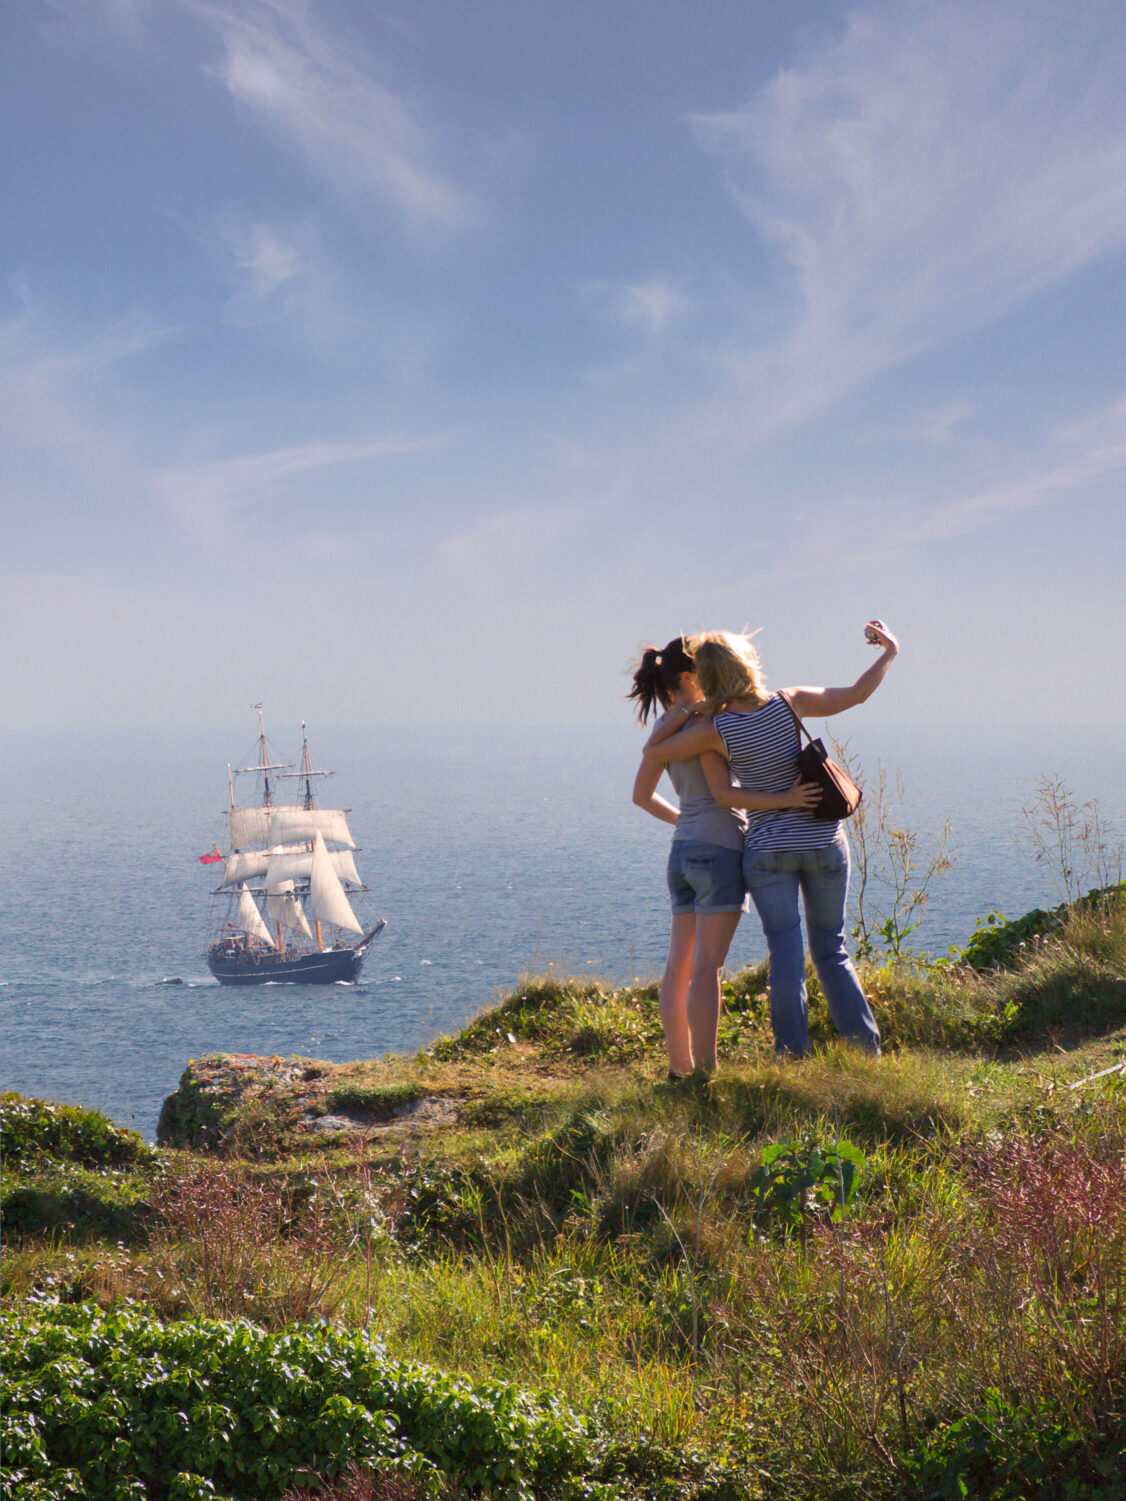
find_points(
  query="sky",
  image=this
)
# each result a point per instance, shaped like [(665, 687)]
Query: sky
[(413, 364)]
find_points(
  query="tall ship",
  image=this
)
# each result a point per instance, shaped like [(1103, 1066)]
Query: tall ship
[(285, 910)]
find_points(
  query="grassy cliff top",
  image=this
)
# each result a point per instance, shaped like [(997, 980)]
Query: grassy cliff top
[(837, 1278)]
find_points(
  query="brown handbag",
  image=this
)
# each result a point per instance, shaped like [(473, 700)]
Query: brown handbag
[(840, 796)]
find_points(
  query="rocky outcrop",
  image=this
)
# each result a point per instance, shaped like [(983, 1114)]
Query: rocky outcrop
[(226, 1100), (215, 1090)]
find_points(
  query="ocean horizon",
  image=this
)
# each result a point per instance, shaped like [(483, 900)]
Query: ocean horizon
[(489, 854)]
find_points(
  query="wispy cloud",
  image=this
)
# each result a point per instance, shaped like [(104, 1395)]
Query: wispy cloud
[(52, 374), (356, 133), (920, 176), (858, 534), (206, 498), (648, 306), (263, 258), (1086, 455)]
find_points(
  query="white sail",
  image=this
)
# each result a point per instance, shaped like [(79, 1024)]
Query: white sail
[(294, 862), (326, 893), (250, 826), (250, 919), (284, 907), (344, 864), (245, 865), (288, 824), (292, 824)]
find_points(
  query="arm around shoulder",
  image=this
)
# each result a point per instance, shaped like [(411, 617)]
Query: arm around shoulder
[(680, 741)]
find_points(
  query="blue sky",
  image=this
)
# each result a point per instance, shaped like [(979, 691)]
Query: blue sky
[(406, 363)]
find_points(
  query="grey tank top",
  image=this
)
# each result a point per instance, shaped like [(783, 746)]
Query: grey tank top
[(701, 817)]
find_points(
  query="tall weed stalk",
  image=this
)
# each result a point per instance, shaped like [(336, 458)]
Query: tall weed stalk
[(892, 872), (1070, 839), (271, 1251)]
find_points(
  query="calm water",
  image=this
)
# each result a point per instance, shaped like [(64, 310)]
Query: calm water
[(485, 863)]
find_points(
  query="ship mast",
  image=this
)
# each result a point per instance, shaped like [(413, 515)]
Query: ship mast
[(309, 804), (265, 763), (308, 773)]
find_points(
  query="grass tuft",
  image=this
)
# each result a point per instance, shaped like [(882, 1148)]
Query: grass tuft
[(843, 1278)]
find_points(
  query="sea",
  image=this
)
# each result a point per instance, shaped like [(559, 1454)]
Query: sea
[(490, 855)]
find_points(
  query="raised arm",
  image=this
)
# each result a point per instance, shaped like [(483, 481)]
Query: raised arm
[(645, 793), (718, 776), (819, 703)]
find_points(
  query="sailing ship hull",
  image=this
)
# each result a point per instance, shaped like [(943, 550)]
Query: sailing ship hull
[(242, 966), (266, 969)]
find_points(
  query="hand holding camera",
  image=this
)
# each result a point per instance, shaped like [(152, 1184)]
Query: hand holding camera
[(876, 633)]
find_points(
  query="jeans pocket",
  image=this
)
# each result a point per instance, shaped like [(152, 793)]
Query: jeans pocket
[(832, 860)]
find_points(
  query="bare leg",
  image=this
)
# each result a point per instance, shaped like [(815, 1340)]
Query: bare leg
[(673, 993), (714, 932)]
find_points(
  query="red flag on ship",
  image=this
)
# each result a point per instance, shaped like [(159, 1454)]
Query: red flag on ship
[(210, 859)]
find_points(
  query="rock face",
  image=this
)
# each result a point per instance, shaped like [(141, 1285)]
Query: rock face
[(212, 1090), (222, 1099), (425, 1112)]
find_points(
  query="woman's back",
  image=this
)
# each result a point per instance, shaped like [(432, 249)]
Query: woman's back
[(700, 815), (762, 747)]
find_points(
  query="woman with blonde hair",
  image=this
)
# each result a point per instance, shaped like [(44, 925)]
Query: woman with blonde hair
[(742, 730), (705, 865)]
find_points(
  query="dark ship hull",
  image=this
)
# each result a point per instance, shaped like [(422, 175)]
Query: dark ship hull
[(236, 964)]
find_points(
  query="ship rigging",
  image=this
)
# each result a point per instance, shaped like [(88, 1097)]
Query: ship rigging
[(292, 856)]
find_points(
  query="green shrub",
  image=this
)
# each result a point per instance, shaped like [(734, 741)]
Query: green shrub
[(998, 942), (104, 1405), (33, 1130), (1003, 1452), (74, 1205)]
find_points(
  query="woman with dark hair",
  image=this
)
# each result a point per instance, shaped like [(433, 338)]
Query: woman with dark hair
[(740, 727), (705, 865)]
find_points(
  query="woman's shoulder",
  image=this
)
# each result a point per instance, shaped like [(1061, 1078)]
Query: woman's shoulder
[(745, 713)]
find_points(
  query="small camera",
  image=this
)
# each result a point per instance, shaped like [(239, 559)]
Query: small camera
[(870, 636)]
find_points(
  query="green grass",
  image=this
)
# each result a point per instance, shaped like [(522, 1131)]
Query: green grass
[(377, 1101), (675, 1261)]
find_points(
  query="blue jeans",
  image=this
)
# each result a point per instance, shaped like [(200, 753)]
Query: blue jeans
[(774, 878)]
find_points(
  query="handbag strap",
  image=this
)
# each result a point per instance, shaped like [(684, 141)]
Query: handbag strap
[(785, 697)]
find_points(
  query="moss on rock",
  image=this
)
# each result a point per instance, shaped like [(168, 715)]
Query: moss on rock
[(215, 1092)]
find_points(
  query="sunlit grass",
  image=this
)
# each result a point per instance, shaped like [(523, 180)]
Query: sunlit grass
[(583, 1227)]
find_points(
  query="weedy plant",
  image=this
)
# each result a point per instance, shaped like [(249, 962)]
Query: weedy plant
[(892, 873), (799, 1179), (1070, 839), (364, 1485), (247, 1247)]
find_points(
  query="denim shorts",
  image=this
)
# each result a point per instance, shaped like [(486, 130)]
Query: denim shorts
[(705, 877)]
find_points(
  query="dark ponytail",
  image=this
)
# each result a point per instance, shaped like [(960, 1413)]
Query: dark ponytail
[(657, 675)]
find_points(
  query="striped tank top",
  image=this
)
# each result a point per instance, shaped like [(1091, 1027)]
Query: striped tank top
[(762, 748)]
